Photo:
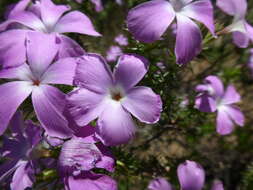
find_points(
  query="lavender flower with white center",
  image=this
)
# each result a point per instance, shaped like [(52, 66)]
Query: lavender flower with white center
[(212, 97), (113, 53), (33, 78), (191, 175), (79, 156), (148, 21), (242, 31), (18, 149), (112, 97), (159, 184), (121, 40), (42, 16)]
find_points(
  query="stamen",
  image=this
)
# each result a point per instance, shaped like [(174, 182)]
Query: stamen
[(117, 96), (36, 82)]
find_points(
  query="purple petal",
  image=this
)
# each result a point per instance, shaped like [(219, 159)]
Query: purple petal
[(76, 21), (51, 13), (235, 114), (144, 104), (159, 184), (113, 53), (16, 8), (91, 181), (130, 70), (41, 50), (205, 103), (93, 73), (22, 177), (98, 5), (216, 85), (240, 39), (217, 185), (12, 50), (115, 130), (201, 11), (11, 96), (187, 31), (7, 168), (33, 133), (224, 124), (191, 175), (233, 7), (61, 72), (107, 160), (249, 30), (49, 105), (85, 106), (148, 21), (231, 96)]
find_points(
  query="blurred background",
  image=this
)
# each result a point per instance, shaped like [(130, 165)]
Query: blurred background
[(183, 133)]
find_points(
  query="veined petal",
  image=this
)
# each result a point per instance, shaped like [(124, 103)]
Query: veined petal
[(231, 96), (76, 21), (85, 106), (41, 50), (12, 50), (61, 72), (11, 96), (148, 21), (129, 70), (144, 104), (201, 11), (188, 40), (115, 130), (236, 8), (224, 125), (241, 39), (49, 105), (235, 114), (51, 13), (93, 73)]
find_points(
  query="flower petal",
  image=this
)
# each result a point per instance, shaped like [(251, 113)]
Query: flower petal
[(240, 39), (61, 72), (144, 104), (217, 185), (115, 130), (224, 124), (188, 40), (130, 70), (76, 21), (231, 96), (160, 184), (201, 11), (216, 85), (93, 73), (12, 50), (49, 105), (7, 168), (233, 7), (235, 114), (22, 177), (11, 96), (107, 160), (41, 50), (249, 30), (85, 106), (148, 21), (205, 103), (51, 13)]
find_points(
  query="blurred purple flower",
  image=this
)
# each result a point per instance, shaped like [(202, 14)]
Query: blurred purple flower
[(43, 17), (159, 184), (79, 156), (18, 149), (217, 185), (148, 21), (32, 78), (121, 40), (212, 97), (104, 95), (191, 175), (250, 61), (242, 31), (113, 53)]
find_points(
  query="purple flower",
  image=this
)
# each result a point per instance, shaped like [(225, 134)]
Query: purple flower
[(112, 97), (148, 21), (217, 185), (33, 78), (18, 149), (113, 53), (98, 4), (212, 97), (250, 61), (159, 184), (79, 156), (242, 31), (121, 40), (44, 17), (191, 175)]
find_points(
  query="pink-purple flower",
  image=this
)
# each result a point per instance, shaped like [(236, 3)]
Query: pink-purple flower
[(242, 31), (159, 184), (212, 97), (148, 22), (33, 78), (112, 97)]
